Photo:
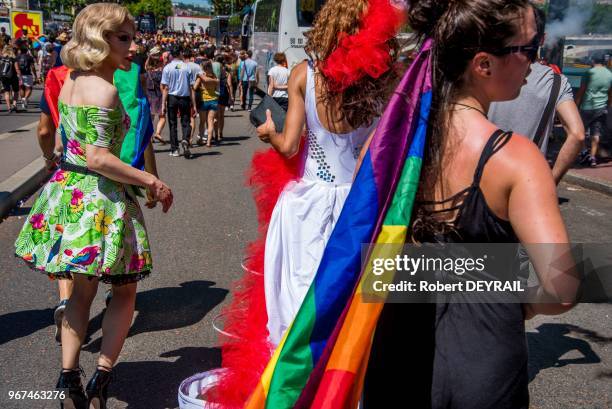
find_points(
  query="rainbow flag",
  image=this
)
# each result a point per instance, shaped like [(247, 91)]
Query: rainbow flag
[(137, 107), (321, 361)]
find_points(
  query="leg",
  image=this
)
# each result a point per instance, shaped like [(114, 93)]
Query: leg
[(65, 288), (220, 120), (161, 123), (7, 99), (172, 121), (193, 127), (204, 119), (251, 96), (243, 94), (116, 323), (211, 124), (76, 319), (186, 118), (201, 125)]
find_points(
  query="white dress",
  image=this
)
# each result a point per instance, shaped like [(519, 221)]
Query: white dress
[(305, 215)]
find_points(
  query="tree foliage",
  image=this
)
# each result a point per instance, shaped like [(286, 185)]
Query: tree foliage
[(160, 8), (601, 20), (224, 7)]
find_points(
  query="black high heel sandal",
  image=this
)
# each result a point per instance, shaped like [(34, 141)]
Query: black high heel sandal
[(97, 388), (70, 380)]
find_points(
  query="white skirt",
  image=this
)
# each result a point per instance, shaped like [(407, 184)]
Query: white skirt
[(301, 223)]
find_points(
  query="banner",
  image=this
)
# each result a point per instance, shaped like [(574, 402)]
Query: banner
[(31, 21)]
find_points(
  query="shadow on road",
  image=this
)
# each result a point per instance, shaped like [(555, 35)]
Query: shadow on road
[(552, 341), (235, 138), (154, 384), (167, 308), (23, 323)]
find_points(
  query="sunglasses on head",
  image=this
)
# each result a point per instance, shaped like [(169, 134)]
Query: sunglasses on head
[(529, 50)]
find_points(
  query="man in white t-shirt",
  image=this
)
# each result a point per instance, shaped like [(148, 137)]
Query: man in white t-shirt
[(278, 76)]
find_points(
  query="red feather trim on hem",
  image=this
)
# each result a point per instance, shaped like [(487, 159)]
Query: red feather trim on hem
[(246, 354), (366, 52)]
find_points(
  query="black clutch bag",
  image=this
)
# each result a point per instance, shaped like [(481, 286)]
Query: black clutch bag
[(258, 115)]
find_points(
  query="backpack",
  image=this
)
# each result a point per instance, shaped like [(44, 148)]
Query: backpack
[(7, 69), (23, 62)]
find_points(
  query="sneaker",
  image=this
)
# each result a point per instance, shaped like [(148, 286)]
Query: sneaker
[(593, 162), (58, 316), (186, 151), (584, 157), (174, 153), (200, 141)]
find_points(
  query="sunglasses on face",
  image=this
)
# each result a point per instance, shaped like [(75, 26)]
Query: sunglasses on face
[(529, 50)]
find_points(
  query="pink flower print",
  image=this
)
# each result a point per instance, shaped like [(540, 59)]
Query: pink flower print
[(75, 147), (77, 197), (126, 122), (137, 262), (59, 176), (37, 221)]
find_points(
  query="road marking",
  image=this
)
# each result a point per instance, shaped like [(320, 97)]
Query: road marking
[(590, 212), (17, 131)]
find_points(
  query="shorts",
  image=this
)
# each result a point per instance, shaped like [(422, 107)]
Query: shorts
[(209, 105), (10, 84), (594, 120), (27, 81)]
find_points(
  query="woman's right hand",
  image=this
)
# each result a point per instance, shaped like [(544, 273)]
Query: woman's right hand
[(160, 192), (265, 130)]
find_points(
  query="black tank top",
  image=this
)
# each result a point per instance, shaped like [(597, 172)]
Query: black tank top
[(474, 221)]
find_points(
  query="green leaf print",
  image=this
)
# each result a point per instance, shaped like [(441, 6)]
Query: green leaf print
[(24, 243), (91, 207), (37, 236), (73, 178), (90, 237), (46, 235), (66, 197), (74, 217)]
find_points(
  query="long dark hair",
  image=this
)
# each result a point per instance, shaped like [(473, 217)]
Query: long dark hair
[(460, 29)]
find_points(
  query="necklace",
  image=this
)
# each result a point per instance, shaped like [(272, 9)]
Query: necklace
[(472, 107)]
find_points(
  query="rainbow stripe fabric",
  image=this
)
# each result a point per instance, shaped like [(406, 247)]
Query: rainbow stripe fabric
[(137, 107), (321, 361)]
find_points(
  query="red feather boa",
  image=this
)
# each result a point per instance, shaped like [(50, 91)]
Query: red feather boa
[(245, 356), (366, 52)]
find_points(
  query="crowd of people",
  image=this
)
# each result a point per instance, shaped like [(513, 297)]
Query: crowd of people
[(483, 179)]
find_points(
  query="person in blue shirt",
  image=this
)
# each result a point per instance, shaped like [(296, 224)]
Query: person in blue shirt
[(249, 78), (178, 97)]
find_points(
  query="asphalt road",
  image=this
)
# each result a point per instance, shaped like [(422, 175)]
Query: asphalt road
[(197, 252), (18, 147)]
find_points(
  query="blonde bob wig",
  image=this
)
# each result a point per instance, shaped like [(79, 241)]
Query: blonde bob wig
[(89, 47)]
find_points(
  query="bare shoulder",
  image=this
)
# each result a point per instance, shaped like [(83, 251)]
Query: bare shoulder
[(298, 73), (521, 160), (93, 90)]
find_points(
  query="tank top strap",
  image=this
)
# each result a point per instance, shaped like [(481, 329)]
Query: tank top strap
[(496, 141)]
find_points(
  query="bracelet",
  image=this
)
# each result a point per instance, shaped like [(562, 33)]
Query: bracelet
[(53, 157)]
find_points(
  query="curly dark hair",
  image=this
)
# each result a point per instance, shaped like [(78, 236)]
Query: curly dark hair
[(364, 100)]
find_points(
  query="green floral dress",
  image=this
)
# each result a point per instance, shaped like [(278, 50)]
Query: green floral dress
[(87, 223)]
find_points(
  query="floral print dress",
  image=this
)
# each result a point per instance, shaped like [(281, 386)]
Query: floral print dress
[(87, 223)]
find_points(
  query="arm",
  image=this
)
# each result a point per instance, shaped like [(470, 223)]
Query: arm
[(581, 91), (150, 167), (34, 68), (102, 161), (164, 90), (270, 85), (18, 71), (52, 58), (46, 140), (533, 211), (288, 142), (572, 123)]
